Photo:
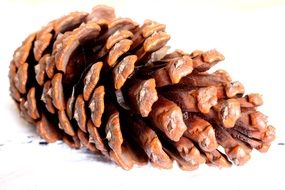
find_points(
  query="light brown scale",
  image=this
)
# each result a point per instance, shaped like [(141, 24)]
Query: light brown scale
[(196, 53), (174, 71), (218, 159), (255, 99), (212, 56), (117, 50), (21, 54), (167, 117), (234, 89), (128, 157), (80, 113), (57, 92), (258, 120), (178, 53), (142, 96), (179, 68), (263, 147), (184, 165), (156, 41), (83, 137), (64, 123), (223, 75), (21, 78), (113, 133), (123, 70), (101, 12), (189, 152), (114, 39), (203, 61), (238, 154), (91, 79), (14, 92), (97, 106), (202, 132), (138, 38), (148, 39), (152, 27), (228, 112), (112, 27), (118, 36), (244, 126), (24, 111), (57, 46), (148, 140), (207, 98), (157, 55), (68, 22), (72, 142), (50, 67), (42, 41), (72, 41), (47, 130), (40, 69), (96, 138), (31, 104), (123, 24), (70, 105), (46, 97)]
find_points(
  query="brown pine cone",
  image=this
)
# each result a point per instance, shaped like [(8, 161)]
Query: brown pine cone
[(106, 83)]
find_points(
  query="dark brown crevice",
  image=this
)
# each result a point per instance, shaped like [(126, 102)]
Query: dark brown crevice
[(128, 134), (254, 143), (80, 61)]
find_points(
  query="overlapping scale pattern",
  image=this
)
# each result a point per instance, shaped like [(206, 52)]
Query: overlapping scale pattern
[(111, 85)]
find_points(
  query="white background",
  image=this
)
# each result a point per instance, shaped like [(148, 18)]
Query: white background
[(251, 35)]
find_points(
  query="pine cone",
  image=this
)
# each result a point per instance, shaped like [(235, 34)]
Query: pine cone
[(110, 85)]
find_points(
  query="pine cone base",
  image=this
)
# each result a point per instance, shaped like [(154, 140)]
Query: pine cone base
[(111, 85)]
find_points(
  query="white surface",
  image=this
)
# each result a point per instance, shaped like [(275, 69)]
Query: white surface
[(249, 33)]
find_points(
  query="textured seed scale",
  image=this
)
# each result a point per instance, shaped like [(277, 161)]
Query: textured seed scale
[(111, 85)]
